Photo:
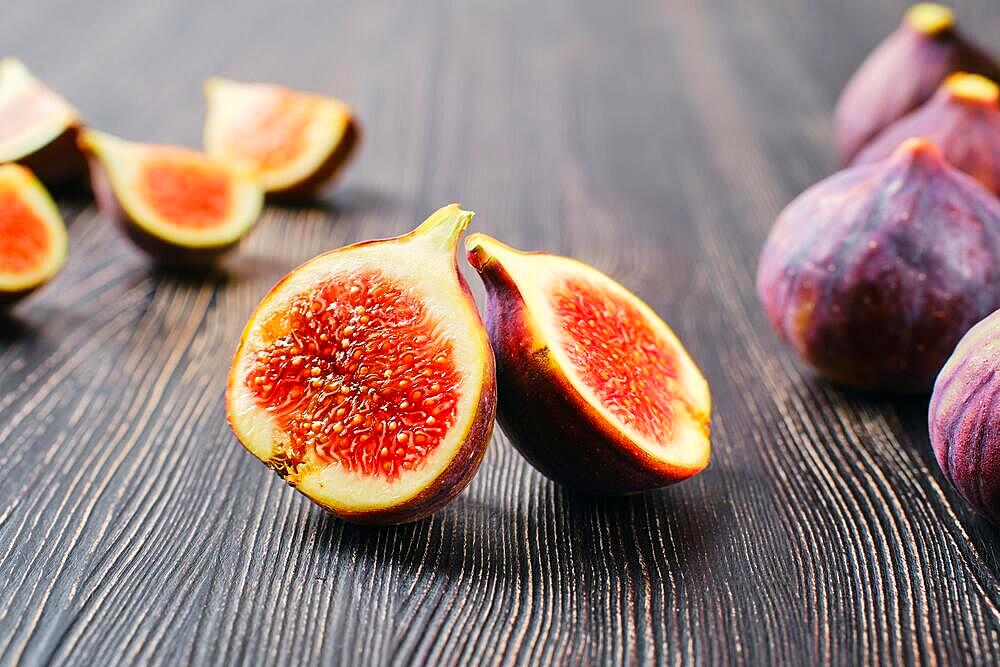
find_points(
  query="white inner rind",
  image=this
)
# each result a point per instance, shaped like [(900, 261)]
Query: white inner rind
[(427, 268), (15, 82), (229, 105), (124, 162), (535, 274), (34, 195)]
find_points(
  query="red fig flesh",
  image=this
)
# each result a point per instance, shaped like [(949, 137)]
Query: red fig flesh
[(365, 378), (874, 274), (595, 390), (903, 73)]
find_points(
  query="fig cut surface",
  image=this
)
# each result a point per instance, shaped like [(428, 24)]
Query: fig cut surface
[(594, 388), (365, 378)]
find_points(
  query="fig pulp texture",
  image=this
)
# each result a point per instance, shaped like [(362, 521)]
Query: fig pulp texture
[(32, 234), (594, 388), (965, 418), (38, 127), (365, 378), (962, 119), (178, 205), (874, 274), (902, 73), (294, 143)]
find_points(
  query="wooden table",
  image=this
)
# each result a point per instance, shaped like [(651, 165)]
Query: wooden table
[(655, 140)]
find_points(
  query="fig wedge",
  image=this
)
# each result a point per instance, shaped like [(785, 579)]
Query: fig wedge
[(33, 242), (295, 143), (594, 388), (179, 206), (365, 377), (38, 127)]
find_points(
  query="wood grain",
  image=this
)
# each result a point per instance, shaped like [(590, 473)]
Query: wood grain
[(656, 140)]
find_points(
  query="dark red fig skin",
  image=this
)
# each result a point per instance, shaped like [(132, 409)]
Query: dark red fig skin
[(874, 274), (544, 417), (60, 164), (964, 418), (902, 73), (967, 131), (336, 161), (166, 254)]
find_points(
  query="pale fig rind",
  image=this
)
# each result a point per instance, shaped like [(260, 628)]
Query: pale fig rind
[(964, 418), (962, 119), (902, 73), (874, 274)]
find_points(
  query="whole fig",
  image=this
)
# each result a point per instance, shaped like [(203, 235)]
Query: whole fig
[(962, 119), (874, 274), (902, 73), (964, 418)]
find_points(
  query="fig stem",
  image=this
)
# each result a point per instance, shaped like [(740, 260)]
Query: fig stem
[(930, 18), (972, 88), (445, 226)]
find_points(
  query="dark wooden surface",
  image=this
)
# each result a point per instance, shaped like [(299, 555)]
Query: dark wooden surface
[(656, 140)]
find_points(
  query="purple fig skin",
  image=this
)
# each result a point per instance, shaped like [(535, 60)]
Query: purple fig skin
[(902, 73), (874, 274), (965, 127), (59, 164), (964, 418)]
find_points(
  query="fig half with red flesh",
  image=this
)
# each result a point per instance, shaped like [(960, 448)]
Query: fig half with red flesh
[(365, 377), (38, 127), (32, 234), (295, 143), (178, 205), (595, 390)]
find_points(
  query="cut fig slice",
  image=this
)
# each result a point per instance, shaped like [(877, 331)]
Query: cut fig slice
[(595, 390), (365, 377), (294, 142), (178, 205), (37, 127), (32, 234)]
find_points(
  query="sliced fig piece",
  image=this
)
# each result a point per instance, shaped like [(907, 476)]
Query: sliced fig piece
[(32, 234), (38, 127), (295, 143), (365, 378), (595, 390), (874, 274), (178, 205), (902, 73), (962, 119)]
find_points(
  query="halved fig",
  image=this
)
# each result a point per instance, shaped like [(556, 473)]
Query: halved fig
[(32, 234), (38, 127), (595, 390), (178, 205), (294, 142), (365, 378)]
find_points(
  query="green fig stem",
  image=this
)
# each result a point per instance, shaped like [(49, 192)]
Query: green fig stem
[(444, 227), (930, 18)]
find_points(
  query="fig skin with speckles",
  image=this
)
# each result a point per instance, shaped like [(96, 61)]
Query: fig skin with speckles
[(964, 418), (874, 274), (962, 119), (902, 73)]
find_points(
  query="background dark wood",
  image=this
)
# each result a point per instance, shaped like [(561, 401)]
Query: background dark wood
[(655, 140)]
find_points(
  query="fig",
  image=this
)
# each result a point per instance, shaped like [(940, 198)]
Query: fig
[(32, 234), (962, 119), (595, 390), (902, 73), (38, 127), (874, 274), (964, 418), (365, 378), (179, 206), (295, 143)]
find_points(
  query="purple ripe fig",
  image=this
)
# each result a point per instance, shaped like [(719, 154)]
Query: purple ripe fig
[(964, 418), (874, 274), (902, 73), (962, 119)]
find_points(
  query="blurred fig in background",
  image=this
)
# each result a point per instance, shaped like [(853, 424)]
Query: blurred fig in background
[(874, 274), (965, 418), (902, 73), (962, 119), (38, 127)]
